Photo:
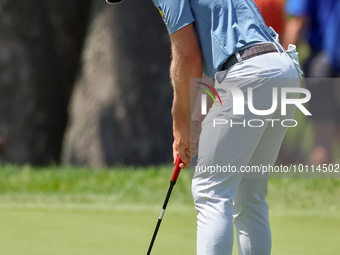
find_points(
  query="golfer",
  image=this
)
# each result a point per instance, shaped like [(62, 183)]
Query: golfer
[(227, 40)]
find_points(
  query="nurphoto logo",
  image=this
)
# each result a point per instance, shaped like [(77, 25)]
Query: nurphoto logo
[(239, 104)]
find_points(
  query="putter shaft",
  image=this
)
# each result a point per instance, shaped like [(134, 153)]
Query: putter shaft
[(172, 184)]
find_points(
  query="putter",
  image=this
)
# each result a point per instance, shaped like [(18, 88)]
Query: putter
[(174, 177)]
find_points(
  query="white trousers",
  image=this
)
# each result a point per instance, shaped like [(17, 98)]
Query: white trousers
[(225, 199)]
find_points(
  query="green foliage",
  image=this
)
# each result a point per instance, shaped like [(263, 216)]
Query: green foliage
[(147, 186), (121, 184)]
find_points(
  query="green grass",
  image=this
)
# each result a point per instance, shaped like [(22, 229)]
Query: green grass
[(80, 211), (127, 230), (145, 186), (121, 185)]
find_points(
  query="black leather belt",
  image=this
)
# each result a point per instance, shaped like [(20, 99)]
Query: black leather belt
[(251, 52)]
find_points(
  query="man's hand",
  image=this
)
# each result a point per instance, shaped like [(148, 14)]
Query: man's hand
[(186, 63), (185, 144), (181, 145)]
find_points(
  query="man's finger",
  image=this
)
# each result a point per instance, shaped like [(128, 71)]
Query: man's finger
[(187, 153), (184, 157), (175, 153)]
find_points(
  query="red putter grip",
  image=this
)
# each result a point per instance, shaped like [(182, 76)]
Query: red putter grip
[(177, 169)]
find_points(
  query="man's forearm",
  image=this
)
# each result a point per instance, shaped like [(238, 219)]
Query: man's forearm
[(181, 71), (186, 64)]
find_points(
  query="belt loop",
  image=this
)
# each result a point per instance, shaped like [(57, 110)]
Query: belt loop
[(238, 56)]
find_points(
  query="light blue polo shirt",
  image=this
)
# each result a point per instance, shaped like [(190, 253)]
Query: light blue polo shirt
[(222, 26)]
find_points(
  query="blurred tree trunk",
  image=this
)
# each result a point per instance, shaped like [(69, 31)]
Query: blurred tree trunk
[(40, 44), (120, 107)]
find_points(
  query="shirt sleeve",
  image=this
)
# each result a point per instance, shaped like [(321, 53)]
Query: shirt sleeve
[(297, 7), (176, 14)]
